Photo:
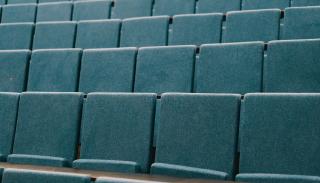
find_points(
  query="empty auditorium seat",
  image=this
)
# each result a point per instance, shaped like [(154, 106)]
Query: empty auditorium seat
[(121, 180), (128, 8), (98, 34), (13, 70), (293, 66), (302, 23), (197, 135), (196, 29), (305, 3), (107, 70), (19, 13), (16, 36), (54, 70), (264, 4), (165, 69), (174, 7), (230, 68), (54, 35), (91, 10), (57, 11), (21, 1), (8, 113), (117, 132), (252, 25), (148, 31), (29, 176), (279, 138), (47, 129), (48, 1), (218, 6)]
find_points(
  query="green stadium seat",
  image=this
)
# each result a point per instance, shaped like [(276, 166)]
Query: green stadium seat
[(305, 3), (146, 31), (230, 68), (218, 6), (293, 66), (264, 4), (165, 69), (49, 1), (57, 11), (13, 70), (277, 139), (16, 36), (54, 70), (8, 113), (128, 8), (21, 1), (276, 178), (91, 10), (98, 34), (252, 25), (302, 23), (174, 7), (197, 136), (121, 180), (107, 70), (208, 29), (117, 132), (47, 129), (19, 13), (54, 35), (29, 176)]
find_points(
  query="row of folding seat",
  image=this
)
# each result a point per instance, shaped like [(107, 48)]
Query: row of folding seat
[(262, 25), (103, 9), (29, 176), (290, 66), (198, 134)]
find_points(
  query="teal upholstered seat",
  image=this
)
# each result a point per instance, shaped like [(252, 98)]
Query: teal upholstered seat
[(208, 29), (302, 23), (121, 180), (98, 34), (174, 7), (19, 13), (117, 132), (293, 66), (54, 35), (265, 4), (16, 36), (29, 176), (165, 69), (8, 115), (230, 68), (278, 136), (47, 129), (107, 70), (148, 31), (197, 135), (13, 70), (276, 178), (305, 3), (57, 11), (217, 6), (252, 25), (91, 10), (54, 70), (48, 1), (21, 1), (129, 8)]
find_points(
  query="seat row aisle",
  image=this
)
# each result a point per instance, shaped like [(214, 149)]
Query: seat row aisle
[(104, 9), (198, 134), (221, 68)]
